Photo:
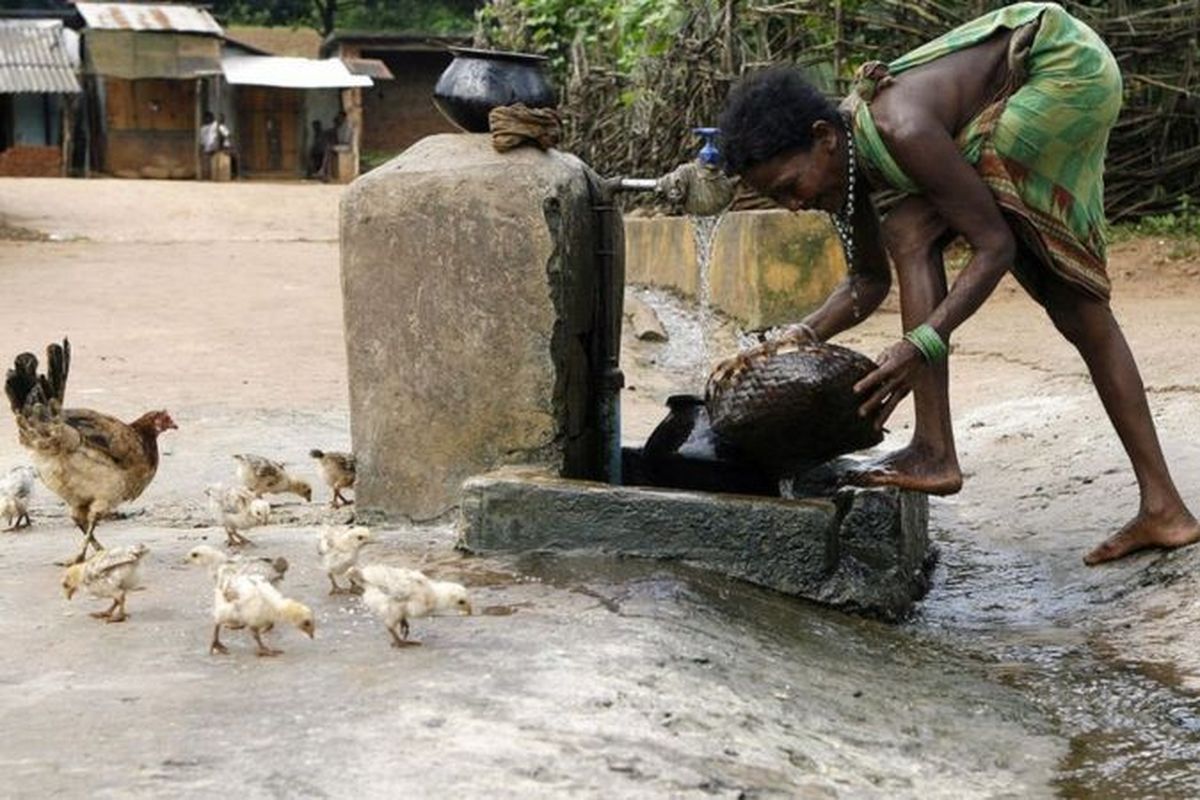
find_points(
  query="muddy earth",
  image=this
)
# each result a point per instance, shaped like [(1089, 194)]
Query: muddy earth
[(1023, 674)]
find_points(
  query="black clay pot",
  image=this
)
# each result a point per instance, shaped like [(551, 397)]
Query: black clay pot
[(479, 80), (684, 453)]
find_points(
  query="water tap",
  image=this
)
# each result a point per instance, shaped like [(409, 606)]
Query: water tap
[(700, 186)]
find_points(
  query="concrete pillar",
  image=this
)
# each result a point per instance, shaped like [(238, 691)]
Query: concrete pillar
[(470, 294)]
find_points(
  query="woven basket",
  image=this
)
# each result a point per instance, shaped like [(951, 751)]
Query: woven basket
[(793, 407)]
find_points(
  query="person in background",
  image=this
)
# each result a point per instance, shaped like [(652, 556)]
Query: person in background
[(316, 150), (210, 143), (225, 139), (340, 136), (343, 130)]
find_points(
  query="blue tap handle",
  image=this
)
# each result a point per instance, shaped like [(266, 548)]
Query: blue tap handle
[(709, 153)]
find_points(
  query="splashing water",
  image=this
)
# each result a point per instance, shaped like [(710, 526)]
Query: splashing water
[(704, 233)]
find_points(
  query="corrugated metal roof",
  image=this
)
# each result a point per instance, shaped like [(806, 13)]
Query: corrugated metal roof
[(148, 17), (289, 73), (34, 58)]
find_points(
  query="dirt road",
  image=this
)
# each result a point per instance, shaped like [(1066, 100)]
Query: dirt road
[(1024, 673)]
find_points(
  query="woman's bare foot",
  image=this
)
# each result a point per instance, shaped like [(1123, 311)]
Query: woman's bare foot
[(913, 469), (1145, 531)]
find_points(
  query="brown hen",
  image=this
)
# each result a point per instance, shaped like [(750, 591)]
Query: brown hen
[(92, 461)]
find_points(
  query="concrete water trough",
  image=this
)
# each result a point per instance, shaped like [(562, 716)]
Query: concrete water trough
[(482, 296), (863, 550)]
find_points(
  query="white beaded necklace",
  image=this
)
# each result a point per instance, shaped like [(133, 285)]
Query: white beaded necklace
[(843, 221)]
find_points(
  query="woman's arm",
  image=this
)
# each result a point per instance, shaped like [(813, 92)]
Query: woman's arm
[(924, 149), (866, 283)]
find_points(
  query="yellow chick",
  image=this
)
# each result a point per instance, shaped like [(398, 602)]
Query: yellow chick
[(338, 549), (107, 573), (237, 509), (14, 510), (264, 476), (339, 470), (16, 487), (397, 595), (221, 566), (250, 601)]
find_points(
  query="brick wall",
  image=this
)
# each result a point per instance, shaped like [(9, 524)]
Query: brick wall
[(25, 161), (399, 112)]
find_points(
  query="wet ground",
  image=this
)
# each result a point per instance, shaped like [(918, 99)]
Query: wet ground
[(1024, 673)]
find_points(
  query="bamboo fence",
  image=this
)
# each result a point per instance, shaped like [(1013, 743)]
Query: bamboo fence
[(639, 122)]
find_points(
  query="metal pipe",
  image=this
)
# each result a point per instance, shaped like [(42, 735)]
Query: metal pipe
[(637, 184), (610, 264), (608, 376)]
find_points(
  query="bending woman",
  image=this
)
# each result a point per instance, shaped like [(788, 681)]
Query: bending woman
[(995, 132)]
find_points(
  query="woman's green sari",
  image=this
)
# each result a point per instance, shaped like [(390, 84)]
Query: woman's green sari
[(1039, 145)]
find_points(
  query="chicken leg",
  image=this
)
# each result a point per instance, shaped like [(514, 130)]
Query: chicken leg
[(398, 641), (263, 650), (235, 539), (120, 616), (216, 647), (18, 524), (89, 533), (107, 613)]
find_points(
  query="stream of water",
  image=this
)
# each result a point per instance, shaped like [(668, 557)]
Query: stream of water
[(704, 232)]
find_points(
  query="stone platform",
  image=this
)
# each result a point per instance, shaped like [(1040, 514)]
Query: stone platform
[(863, 550)]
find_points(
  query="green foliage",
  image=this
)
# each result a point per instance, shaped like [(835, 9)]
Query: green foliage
[(621, 32), (1182, 223), (425, 16), (370, 159)]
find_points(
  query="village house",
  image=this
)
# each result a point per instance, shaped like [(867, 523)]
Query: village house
[(394, 114), (274, 100), (147, 67), (39, 97)]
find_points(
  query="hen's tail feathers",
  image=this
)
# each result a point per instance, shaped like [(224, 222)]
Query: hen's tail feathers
[(21, 381), (26, 390), (58, 364)]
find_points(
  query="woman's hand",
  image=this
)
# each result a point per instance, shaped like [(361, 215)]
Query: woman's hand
[(890, 382)]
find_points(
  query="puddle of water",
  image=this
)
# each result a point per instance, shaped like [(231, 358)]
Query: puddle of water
[(990, 636), (1133, 732)]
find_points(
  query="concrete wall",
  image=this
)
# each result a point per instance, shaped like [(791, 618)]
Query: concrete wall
[(469, 289), (767, 267)]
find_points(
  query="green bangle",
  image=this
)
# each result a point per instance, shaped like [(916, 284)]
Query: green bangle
[(928, 343)]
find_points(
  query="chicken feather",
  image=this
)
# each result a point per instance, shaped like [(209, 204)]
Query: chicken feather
[(397, 594), (223, 566), (92, 461), (107, 573), (339, 471), (339, 551), (237, 509), (264, 476), (250, 601), (16, 488)]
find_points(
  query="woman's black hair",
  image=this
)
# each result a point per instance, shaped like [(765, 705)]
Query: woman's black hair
[(768, 113)]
